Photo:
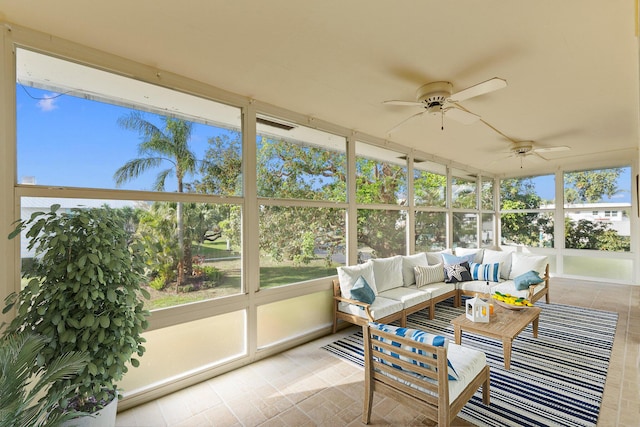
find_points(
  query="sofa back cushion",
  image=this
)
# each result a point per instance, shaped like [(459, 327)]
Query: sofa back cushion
[(454, 259), (502, 257), (388, 272), (409, 262), (348, 275), (434, 258), (477, 254), (522, 263)]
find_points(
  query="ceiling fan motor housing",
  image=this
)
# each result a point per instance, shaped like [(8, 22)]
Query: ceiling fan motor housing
[(522, 148), (434, 95)]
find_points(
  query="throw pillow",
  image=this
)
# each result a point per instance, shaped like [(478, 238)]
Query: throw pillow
[(490, 272), (418, 336), (362, 292), (429, 274), (523, 281), (452, 259), (410, 262), (457, 273)]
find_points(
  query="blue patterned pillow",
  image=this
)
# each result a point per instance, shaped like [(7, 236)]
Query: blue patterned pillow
[(362, 292), (490, 272), (418, 336), (523, 281)]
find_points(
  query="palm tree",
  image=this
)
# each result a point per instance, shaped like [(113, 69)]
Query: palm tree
[(157, 148)]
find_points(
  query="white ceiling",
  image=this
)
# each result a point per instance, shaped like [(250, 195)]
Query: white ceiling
[(571, 65)]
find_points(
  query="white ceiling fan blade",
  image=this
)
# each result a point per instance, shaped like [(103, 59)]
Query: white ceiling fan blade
[(405, 121), (550, 149), (404, 103), (479, 89), (535, 153), (464, 117)]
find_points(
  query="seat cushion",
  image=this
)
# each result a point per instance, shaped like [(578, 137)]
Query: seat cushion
[(438, 289), (476, 286), (381, 307), (407, 296)]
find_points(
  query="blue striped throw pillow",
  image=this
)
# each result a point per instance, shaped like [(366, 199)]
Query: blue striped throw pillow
[(418, 336), (490, 272)]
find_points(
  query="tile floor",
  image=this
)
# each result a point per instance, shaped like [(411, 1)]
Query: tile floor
[(307, 386)]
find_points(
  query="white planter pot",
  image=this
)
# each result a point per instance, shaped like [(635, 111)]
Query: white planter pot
[(106, 417)]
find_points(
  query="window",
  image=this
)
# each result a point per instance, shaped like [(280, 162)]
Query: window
[(464, 191), (431, 231), (465, 230), (429, 184)]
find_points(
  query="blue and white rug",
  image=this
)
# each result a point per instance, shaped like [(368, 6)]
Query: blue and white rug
[(556, 379)]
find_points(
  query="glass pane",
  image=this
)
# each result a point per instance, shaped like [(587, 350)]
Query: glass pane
[(529, 229), (488, 227), (465, 230), (598, 187), (431, 231), (606, 268), (300, 243), (82, 127), (429, 189), (487, 196), (527, 193), (211, 264), (604, 230), (283, 320), (381, 233), (381, 176), (296, 162), (463, 192), (182, 349)]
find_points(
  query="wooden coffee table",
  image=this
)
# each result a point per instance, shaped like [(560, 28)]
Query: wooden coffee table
[(504, 325)]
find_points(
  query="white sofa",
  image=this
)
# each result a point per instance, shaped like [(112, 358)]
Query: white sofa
[(392, 291)]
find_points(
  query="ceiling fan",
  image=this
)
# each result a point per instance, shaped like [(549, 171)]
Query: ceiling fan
[(522, 149), (437, 98)]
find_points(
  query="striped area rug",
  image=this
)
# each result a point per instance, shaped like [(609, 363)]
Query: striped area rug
[(555, 380)]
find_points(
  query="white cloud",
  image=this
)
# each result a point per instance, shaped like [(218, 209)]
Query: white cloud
[(48, 103)]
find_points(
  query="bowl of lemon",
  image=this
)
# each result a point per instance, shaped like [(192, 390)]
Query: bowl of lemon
[(510, 301)]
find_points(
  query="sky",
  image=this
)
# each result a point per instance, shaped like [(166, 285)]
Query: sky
[(69, 141)]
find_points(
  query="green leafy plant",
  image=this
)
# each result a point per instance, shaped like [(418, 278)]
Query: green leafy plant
[(84, 295), (26, 397)]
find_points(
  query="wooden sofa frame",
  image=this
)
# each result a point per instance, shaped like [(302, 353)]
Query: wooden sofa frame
[(435, 403), (430, 304)]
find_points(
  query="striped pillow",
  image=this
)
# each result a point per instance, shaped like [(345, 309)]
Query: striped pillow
[(490, 272), (418, 336), (428, 274)]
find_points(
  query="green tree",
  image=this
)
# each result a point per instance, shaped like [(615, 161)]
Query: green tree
[(522, 228), (162, 146), (590, 186)]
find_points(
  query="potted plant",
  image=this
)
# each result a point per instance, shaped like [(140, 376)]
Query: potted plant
[(83, 293), (26, 399)]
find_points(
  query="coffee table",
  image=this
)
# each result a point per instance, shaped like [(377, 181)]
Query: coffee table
[(504, 325)]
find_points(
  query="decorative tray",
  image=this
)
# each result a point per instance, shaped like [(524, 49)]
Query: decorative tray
[(509, 306)]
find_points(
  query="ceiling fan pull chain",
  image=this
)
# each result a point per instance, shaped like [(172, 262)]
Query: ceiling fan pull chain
[(442, 120)]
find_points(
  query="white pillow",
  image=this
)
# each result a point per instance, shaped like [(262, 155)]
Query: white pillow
[(429, 274), (501, 257), (471, 251), (410, 261), (436, 257), (388, 272), (348, 275), (522, 263)]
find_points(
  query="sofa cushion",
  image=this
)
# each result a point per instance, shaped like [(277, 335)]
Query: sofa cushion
[(362, 292), (418, 336), (436, 257), (486, 272), (476, 287), (453, 259), (521, 263), (409, 262), (348, 275), (477, 253), (388, 272), (527, 279), (457, 272), (429, 274), (381, 307), (438, 289), (409, 297), (502, 257)]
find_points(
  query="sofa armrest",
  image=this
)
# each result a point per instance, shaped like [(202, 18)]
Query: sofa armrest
[(337, 296)]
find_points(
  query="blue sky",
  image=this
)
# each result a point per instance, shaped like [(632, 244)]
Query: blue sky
[(69, 141)]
